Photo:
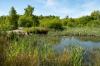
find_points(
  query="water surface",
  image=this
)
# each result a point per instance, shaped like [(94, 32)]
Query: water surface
[(85, 42)]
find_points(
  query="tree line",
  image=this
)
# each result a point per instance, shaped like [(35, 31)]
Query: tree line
[(28, 19)]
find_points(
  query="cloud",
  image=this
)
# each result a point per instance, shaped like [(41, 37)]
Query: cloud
[(91, 5), (3, 12), (72, 8), (87, 7), (51, 2), (62, 8)]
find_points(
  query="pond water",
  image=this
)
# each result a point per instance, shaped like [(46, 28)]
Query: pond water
[(85, 42)]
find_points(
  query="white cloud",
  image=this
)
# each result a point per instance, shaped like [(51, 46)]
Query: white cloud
[(58, 8), (90, 5), (51, 2), (3, 12)]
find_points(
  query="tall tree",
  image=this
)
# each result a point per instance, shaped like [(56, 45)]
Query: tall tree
[(29, 10), (13, 18), (28, 19)]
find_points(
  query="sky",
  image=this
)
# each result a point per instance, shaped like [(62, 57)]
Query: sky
[(62, 8)]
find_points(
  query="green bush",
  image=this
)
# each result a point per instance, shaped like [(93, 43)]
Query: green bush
[(51, 23), (4, 23), (36, 30), (55, 25), (25, 21)]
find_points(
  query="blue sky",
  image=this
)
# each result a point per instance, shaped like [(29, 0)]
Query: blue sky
[(62, 8)]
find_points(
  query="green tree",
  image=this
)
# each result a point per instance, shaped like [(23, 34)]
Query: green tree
[(28, 19), (70, 22), (95, 15), (29, 11), (13, 18)]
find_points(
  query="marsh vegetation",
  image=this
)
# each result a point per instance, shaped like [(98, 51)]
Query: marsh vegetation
[(30, 40)]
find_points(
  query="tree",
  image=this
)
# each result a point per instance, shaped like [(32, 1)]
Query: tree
[(70, 22), (28, 20), (29, 11), (13, 18), (96, 15)]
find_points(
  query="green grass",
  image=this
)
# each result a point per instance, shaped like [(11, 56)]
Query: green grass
[(36, 50), (78, 31)]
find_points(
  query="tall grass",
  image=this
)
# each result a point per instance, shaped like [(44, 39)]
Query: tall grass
[(37, 50), (4, 43), (80, 31)]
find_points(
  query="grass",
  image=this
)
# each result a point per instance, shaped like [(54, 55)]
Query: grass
[(36, 50), (83, 31), (78, 31), (36, 30)]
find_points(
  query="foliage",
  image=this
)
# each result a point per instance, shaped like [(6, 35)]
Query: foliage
[(4, 23), (13, 18), (90, 20), (28, 20), (35, 49), (95, 56), (29, 10), (96, 15), (70, 22), (82, 31), (51, 23), (76, 56), (25, 21), (36, 30)]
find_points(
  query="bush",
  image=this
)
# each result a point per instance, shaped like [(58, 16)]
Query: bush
[(56, 25), (25, 21), (36, 30), (51, 23)]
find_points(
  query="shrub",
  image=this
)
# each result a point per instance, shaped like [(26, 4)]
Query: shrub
[(25, 21), (36, 30), (51, 23), (55, 25)]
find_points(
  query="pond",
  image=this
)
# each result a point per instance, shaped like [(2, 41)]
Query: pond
[(85, 42)]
